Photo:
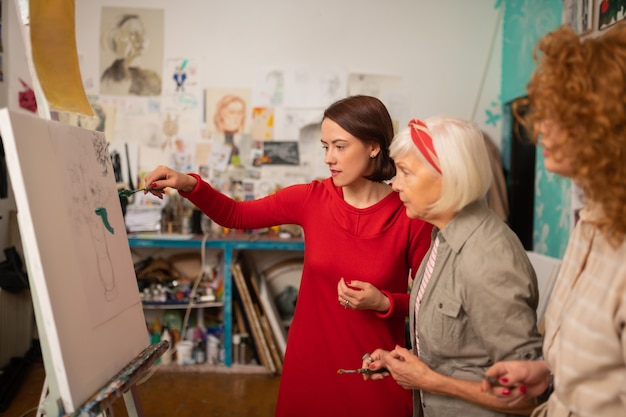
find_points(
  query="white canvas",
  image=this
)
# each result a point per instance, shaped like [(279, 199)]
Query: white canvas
[(87, 305)]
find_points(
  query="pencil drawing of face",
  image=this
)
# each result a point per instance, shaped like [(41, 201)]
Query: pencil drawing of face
[(129, 40), (230, 115), (126, 43)]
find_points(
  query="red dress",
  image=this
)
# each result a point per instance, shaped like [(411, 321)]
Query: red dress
[(378, 244)]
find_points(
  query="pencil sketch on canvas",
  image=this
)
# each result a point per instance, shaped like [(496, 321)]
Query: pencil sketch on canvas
[(95, 212)]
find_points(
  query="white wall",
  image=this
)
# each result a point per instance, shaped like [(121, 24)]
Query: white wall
[(440, 48)]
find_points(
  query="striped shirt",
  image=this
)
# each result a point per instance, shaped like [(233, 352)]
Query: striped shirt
[(428, 272), (585, 339)]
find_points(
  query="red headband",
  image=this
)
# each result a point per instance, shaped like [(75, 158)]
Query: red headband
[(424, 142)]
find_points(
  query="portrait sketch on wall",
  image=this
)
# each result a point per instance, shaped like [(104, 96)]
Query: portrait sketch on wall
[(131, 51), (269, 87), (227, 117)]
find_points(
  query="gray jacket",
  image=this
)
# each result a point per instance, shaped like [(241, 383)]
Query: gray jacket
[(479, 306)]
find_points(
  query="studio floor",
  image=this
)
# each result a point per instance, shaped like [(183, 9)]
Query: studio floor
[(174, 392)]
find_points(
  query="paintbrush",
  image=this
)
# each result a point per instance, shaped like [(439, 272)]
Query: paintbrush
[(362, 371), (128, 193)]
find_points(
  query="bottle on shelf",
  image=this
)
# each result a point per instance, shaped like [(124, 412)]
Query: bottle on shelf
[(155, 335), (199, 351), (236, 342), (242, 349), (212, 350), (166, 359)]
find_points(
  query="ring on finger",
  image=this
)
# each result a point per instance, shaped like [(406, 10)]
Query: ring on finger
[(346, 303)]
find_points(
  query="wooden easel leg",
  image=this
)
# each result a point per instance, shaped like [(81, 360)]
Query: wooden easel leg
[(133, 404)]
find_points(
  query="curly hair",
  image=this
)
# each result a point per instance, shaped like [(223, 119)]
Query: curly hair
[(580, 85)]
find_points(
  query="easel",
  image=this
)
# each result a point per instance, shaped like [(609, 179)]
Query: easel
[(81, 350), (124, 383)]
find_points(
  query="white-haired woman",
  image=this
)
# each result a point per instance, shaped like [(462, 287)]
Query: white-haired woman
[(475, 296)]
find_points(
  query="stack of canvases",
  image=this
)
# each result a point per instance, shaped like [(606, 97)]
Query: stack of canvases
[(256, 315)]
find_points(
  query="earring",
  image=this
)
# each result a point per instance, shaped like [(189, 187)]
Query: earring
[(373, 156)]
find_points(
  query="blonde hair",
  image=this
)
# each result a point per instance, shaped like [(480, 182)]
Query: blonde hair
[(463, 158)]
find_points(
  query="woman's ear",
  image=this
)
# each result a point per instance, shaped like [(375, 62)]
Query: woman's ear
[(374, 151)]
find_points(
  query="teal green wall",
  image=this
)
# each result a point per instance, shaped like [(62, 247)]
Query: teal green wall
[(525, 22)]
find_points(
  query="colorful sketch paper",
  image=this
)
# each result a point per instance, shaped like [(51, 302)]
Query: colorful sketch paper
[(609, 11), (219, 157), (188, 115), (182, 156), (180, 76), (262, 123)]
